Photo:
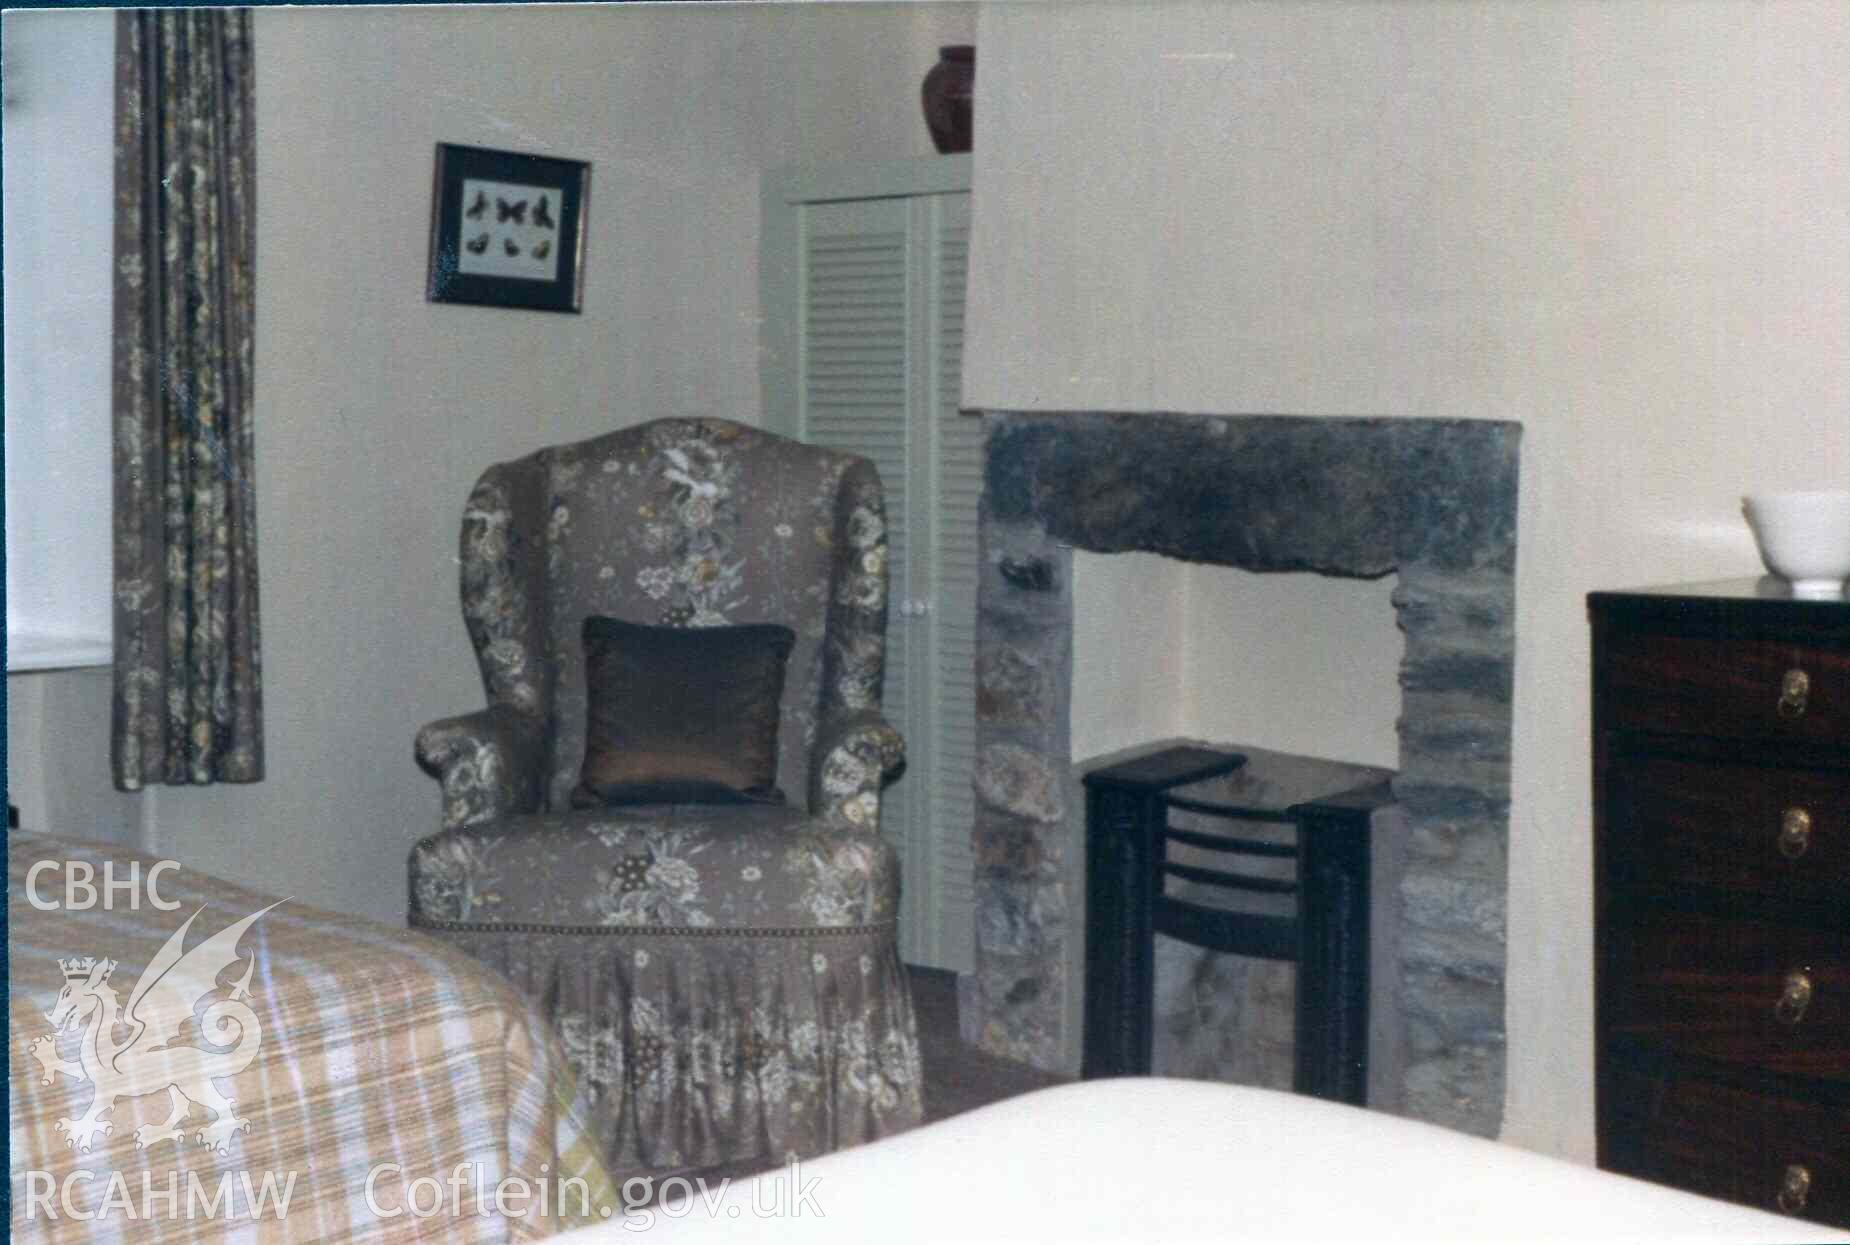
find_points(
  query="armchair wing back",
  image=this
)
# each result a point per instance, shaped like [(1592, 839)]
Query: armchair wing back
[(682, 522)]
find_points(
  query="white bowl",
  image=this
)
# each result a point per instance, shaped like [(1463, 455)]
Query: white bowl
[(1804, 537)]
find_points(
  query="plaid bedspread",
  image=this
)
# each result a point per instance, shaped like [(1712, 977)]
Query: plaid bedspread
[(380, 1086)]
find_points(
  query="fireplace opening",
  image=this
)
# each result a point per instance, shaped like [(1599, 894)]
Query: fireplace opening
[(1297, 667), (1295, 661)]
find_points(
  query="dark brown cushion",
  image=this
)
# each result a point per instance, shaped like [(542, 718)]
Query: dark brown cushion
[(681, 715)]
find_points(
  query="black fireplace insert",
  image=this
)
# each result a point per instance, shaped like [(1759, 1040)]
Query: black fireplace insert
[(1317, 916)]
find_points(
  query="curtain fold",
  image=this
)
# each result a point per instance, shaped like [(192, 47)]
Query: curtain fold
[(188, 674)]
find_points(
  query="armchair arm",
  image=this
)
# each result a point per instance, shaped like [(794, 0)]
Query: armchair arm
[(857, 753), (488, 762)]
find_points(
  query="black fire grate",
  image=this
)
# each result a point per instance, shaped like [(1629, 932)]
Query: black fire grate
[(1324, 926)]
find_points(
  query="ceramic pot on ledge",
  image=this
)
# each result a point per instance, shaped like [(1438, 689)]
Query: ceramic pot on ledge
[(946, 94)]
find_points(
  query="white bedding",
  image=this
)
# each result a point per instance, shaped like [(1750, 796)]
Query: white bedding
[(1162, 1160)]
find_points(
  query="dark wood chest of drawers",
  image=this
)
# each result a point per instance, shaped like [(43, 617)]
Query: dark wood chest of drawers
[(1721, 759)]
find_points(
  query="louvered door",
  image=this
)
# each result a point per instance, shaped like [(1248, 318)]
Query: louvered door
[(856, 375), (864, 304), (955, 462)]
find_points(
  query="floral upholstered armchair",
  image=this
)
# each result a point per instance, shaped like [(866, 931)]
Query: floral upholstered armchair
[(724, 976)]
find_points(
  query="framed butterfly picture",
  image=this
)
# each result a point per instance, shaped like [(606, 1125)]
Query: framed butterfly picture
[(508, 230)]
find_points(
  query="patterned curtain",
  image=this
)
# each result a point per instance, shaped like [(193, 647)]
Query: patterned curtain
[(188, 687)]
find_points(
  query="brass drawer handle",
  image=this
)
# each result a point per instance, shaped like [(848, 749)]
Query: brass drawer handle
[(1794, 1188), (1794, 999), (1794, 691), (1794, 833)]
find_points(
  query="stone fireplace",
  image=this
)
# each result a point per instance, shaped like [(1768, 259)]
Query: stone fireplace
[(1431, 500)]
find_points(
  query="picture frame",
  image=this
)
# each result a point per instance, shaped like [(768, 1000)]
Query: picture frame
[(507, 229)]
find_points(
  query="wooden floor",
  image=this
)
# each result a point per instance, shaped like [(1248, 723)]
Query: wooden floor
[(960, 1078)]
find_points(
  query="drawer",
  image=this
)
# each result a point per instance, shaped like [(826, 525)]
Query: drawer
[(1754, 833), (1781, 1153), (1735, 688), (1752, 993)]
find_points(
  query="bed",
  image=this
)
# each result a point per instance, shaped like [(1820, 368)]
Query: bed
[(274, 1072), (1149, 1159)]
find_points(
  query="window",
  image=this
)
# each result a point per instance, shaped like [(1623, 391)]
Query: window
[(59, 212)]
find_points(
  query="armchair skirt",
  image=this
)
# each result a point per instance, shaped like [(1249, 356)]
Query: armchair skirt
[(729, 991)]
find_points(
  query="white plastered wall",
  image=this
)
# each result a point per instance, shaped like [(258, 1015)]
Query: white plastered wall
[(1626, 225)]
